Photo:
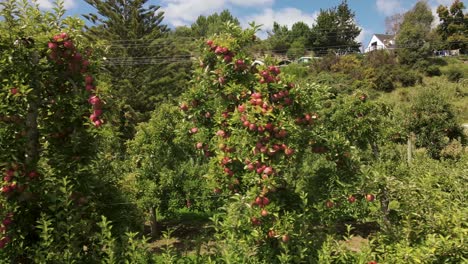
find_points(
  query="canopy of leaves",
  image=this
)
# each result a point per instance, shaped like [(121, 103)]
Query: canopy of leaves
[(453, 27), (413, 37), (335, 28)]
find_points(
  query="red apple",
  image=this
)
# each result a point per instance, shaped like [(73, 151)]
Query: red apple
[(199, 145), (370, 197), (264, 213), (285, 238), (52, 45), (271, 233), (329, 204), (14, 90), (351, 199), (194, 130)]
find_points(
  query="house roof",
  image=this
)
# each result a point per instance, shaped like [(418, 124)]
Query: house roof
[(388, 40)]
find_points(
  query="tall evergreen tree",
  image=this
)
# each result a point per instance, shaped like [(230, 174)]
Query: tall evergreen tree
[(335, 29), (143, 64)]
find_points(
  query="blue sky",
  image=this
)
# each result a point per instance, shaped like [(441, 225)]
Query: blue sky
[(370, 14)]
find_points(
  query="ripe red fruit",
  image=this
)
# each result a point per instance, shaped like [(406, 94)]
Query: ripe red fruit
[(329, 204), (14, 90), (33, 174), (269, 126), (227, 58), (370, 197), (209, 42), (7, 178), (259, 201), (217, 190), (255, 221), (252, 127), (264, 213), (7, 221), (372, 262), (241, 108), (221, 80), (90, 87), (285, 238), (250, 167), (194, 130), (63, 35), (94, 100), (52, 45), (89, 79), (184, 107), (93, 117), (97, 123), (85, 63), (351, 199), (68, 44), (288, 151), (268, 171), (266, 201), (221, 133), (199, 145), (271, 233), (218, 50)]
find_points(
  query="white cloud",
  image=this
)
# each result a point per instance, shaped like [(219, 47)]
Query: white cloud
[(260, 3), (185, 12), (286, 16), (389, 7), (48, 4)]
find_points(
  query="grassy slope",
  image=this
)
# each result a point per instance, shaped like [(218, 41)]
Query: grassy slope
[(457, 93)]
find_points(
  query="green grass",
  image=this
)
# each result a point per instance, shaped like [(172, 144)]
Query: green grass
[(456, 93)]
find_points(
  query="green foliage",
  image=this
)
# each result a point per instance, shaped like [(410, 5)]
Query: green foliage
[(138, 63), (453, 27), (432, 70), (206, 26), (413, 35), (454, 74), (433, 120), (335, 28)]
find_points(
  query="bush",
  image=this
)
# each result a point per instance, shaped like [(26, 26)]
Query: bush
[(433, 121), (432, 70), (384, 80), (407, 77), (454, 74)]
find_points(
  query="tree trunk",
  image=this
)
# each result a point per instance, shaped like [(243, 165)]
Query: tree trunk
[(154, 223), (32, 131)]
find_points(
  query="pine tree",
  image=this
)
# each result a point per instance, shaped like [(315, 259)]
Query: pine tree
[(144, 65), (335, 29)]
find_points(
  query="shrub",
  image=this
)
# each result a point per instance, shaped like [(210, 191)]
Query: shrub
[(383, 80), (407, 77), (432, 70), (454, 74), (433, 121)]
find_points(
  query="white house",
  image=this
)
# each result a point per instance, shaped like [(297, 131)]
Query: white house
[(381, 41)]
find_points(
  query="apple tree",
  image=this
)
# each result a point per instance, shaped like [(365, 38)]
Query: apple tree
[(48, 107)]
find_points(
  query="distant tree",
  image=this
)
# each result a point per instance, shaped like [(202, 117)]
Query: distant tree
[(297, 48), (299, 30), (206, 26), (279, 39), (453, 27), (335, 28), (393, 23), (414, 34), (140, 59)]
